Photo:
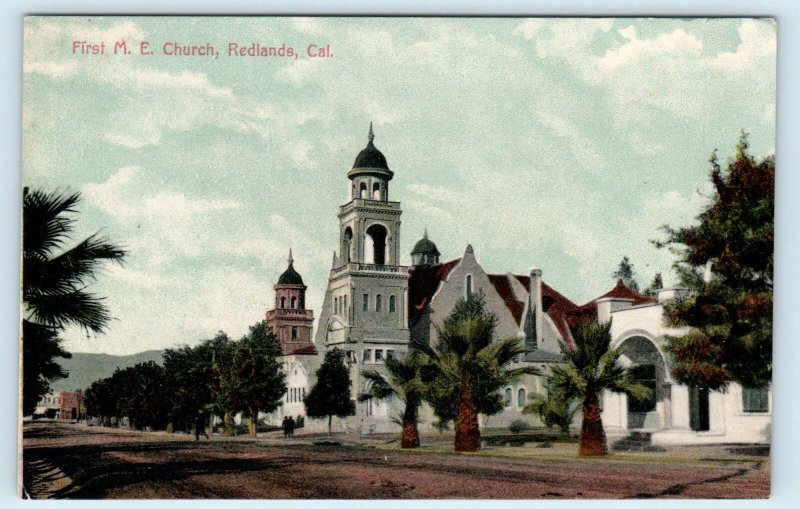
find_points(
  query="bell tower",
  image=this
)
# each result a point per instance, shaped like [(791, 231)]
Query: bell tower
[(364, 312)]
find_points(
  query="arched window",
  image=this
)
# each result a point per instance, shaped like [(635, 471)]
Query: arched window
[(294, 333), (376, 191), (521, 397), (347, 243), (468, 286), (378, 303), (294, 302), (344, 305), (507, 397), (391, 303), (375, 245), (283, 302), (363, 190), (336, 305), (366, 302)]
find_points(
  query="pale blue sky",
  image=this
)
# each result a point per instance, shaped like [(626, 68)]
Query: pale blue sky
[(557, 143)]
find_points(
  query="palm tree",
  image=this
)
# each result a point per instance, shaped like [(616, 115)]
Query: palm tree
[(470, 369), (588, 369), (55, 278), (403, 382)]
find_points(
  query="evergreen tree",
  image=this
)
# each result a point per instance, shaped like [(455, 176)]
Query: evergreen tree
[(331, 394), (626, 274), (255, 381), (191, 376), (55, 282), (655, 286), (726, 261)]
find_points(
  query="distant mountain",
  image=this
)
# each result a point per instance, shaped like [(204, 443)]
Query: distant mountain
[(85, 368)]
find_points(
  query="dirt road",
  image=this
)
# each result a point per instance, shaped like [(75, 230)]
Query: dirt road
[(71, 461)]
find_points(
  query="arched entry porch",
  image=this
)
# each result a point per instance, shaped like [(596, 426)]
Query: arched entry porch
[(644, 358)]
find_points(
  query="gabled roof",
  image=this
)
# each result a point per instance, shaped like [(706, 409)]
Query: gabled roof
[(423, 283), (553, 303), (620, 291)]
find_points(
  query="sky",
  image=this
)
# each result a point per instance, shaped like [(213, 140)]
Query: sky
[(558, 143)]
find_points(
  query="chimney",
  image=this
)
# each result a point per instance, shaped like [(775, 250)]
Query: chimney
[(536, 300)]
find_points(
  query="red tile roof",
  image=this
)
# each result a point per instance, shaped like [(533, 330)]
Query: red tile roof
[(555, 305), (303, 350), (620, 291), (423, 283)]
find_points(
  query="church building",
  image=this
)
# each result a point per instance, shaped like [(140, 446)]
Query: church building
[(374, 306)]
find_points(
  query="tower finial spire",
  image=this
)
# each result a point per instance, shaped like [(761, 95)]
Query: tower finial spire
[(371, 134), (291, 260), (425, 234)]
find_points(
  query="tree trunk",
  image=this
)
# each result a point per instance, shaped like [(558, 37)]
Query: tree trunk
[(410, 436), (593, 438), (468, 438), (330, 431), (227, 420), (253, 422)]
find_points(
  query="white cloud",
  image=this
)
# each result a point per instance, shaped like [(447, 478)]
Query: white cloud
[(57, 70), (308, 25), (677, 43), (757, 41), (564, 37)]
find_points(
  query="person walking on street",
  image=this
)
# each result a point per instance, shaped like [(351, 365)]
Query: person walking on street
[(285, 426), (291, 427)]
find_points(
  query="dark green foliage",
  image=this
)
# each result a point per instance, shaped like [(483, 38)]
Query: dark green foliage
[(55, 281), (555, 408), (588, 369), (626, 274), (331, 394), (139, 393), (466, 352), (253, 380), (466, 368), (193, 377), (655, 286), (517, 426), (730, 314)]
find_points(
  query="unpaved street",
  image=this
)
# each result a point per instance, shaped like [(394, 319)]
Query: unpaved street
[(73, 461)]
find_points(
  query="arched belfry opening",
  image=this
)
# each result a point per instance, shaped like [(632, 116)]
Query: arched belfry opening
[(363, 191), (375, 245), (376, 191), (347, 244)]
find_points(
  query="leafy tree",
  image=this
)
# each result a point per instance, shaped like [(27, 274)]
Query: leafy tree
[(255, 382), (655, 286), (469, 368), (404, 382), (588, 369), (101, 400), (191, 376), (222, 374), (626, 274), (554, 408), (331, 394), (729, 314), (55, 281), (145, 397)]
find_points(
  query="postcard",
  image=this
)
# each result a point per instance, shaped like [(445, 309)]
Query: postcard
[(406, 257)]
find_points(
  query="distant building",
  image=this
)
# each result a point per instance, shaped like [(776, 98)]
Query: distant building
[(61, 405), (292, 324)]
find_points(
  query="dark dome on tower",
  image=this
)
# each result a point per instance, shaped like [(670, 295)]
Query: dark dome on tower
[(425, 251), (371, 157), (290, 276), (370, 161)]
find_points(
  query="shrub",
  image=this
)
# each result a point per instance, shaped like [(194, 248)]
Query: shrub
[(518, 426)]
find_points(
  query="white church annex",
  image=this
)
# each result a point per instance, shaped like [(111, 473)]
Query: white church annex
[(374, 306)]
